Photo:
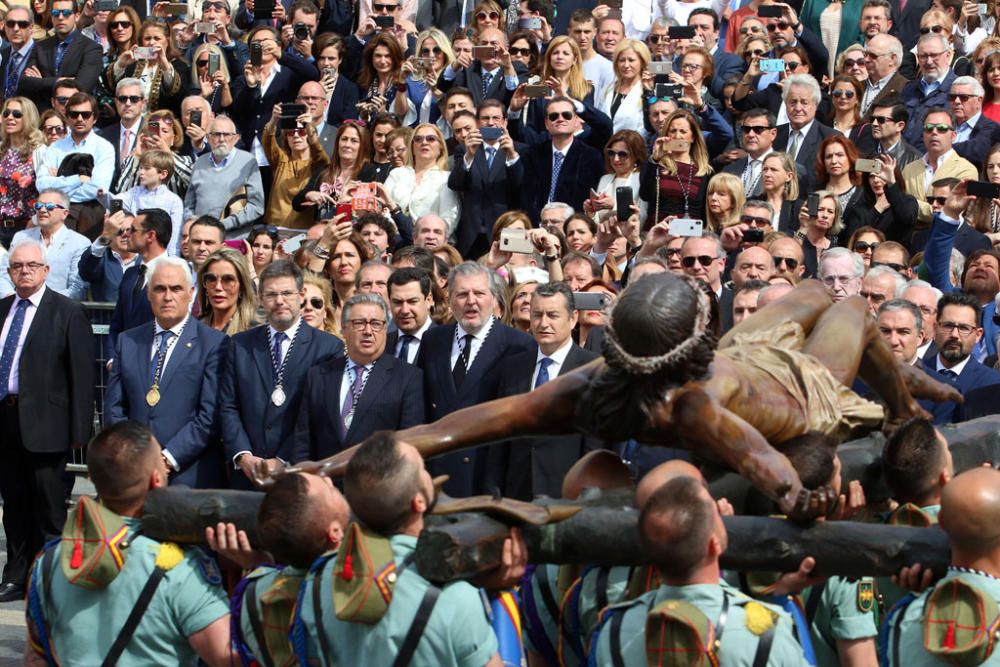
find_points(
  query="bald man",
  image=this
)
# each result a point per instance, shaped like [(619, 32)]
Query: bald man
[(772, 293), (970, 515), (313, 95), (787, 258), (754, 263)]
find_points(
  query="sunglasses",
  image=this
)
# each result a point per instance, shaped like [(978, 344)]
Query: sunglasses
[(849, 94), (270, 229), (129, 99), (210, 280), (62, 13), (780, 25), (756, 53), (86, 115), (756, 129), (488, 15), (424, 138), (53, 129), (671, 252), (864, 246), (960, 97), (930, 29), (515, 51), (792, 65), (656, 39), (940, 128), (851, 62), (940, 201), (62, 100), (898, 268), (316, 303), (751, 220), (426, 52), (121, 25), (202, 62), (23, 25), (878, 120), (704, 260), (617, 155), (790, 262), (751, 29), (378, 7), (48, 206), (16, 113), (556, 115), (296, 132)]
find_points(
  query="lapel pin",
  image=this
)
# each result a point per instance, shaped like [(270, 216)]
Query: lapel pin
[(188, 346)]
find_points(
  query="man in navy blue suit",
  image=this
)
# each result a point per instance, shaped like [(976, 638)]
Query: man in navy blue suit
[(462, 365), (104, 263), (958, 329), (257, 420), (410, 302), (975, 133), (347, 399), (725, 65), (166, 375), (149, 236)]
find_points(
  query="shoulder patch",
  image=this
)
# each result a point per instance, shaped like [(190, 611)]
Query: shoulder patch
[(758, 618), (866, 596), (209, 569)]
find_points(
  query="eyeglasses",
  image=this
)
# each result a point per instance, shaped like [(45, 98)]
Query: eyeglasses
[(121, 25), (779, 25), (754, 221), (129, 99), (947, 327), (849, 94), (482, 16), (854, 62), (656, 39), (932, 28), (379, 7), (62, 100), (790, 262), (898, 268), (756, 129), (878, 120), (750, 29), (553, 116), (228, 281), (704, 260), (202, 62), (86, 115), (23, 25), (30, 267), (424, 138), (426, 52), (961, 97), (865, 246), (61, 13), (315, 302), (830, 281), (16, 113), (221, 135), (48, 206), (617, 155), (359, 325), (296, 132), (930, 56), (53, 129), (756, 53), (940, 201), (940, 128), (273, 296), (690, 67)]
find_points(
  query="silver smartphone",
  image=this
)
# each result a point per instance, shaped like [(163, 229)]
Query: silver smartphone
[(686, 227), (590, 300), (516, 240)]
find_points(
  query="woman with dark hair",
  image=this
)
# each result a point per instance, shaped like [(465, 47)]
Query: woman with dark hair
[(581, 232), (295, 155), (864, 241), (349, 164), (990, 78), (43, 19), (886, 206), (329, 50), (53, 126), (835, 172), (164, 78), (263, 240), (984, 214), (845, 117), (676, 177), (379, 79), (346, 257), (623, 154), (226, 295), (524, 49), (162, 132)]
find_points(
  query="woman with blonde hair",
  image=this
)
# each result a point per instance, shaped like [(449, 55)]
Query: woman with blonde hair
[(624, 154), (779, 178), (818, 234), (676, 178), (562, 71), (421, 85), (397, 147), (723, 202), (226, 295), (319, 309), (519, 313), (488, 14), (215, 87), (422, 186), (622, 100), (22, 147)]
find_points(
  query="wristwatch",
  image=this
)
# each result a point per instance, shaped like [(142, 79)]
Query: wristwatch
[(321, 253), (553, 258)]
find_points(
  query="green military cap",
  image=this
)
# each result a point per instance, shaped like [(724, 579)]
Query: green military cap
[(960, 623), (909, 514), (277, 608), (678, 634), (364, 576), (94, 541)]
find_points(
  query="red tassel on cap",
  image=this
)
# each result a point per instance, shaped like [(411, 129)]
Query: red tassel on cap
[(348, 572), (949, 636), (76, 560)]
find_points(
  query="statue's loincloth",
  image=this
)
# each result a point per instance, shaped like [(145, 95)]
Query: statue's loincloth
[(829, 406)]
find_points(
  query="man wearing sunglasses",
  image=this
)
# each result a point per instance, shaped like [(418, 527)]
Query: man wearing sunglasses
[(930, 90), (15, 56), (789, 31), (975, 133), (939, 161), (131, 105), (758, 132), (788, 258), (67, 53), (104, 263), (883, 55), (888, 119)]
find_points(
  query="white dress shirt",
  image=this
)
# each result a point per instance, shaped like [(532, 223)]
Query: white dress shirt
[(62, 254), (346, 382), (558, 359), (29, 316), (956, 369), (477, 342), (411, 352)]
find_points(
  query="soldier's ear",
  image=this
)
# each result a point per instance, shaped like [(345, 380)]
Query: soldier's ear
[(418, 504), (335, 534)]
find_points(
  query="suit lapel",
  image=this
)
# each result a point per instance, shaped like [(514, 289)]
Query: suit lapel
[(377, 380), (37, 323), (262, 357), (488, 350), (183, 349), (335, 374)]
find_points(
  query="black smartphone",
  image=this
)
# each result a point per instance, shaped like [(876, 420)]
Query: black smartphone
[(983, 190), (770, 11), (385, 22), (623, 202), (680, 32), (812, 205), (115, 206), (293, 110), (671, 90), (287, 123), (256, 54), (195, 117), (262, 10), (214, 63), (753, 236)]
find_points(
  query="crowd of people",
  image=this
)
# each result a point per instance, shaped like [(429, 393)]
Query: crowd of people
[(318, 222)]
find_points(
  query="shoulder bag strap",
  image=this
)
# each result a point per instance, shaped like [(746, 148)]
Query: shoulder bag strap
[(132, 622), (250, 604), (416, 631)]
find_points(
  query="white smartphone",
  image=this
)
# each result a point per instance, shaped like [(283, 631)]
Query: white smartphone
[(686, 227), (293, 243), (516, 240)]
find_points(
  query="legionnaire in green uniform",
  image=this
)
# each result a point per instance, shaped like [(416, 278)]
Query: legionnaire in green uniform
[(956, 621), (105, 594), (385, 612), (691, 619)]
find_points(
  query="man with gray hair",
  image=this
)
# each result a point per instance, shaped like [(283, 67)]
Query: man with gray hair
[(462, 363), (802, 134), (883, 56), (930, 90), (195, 133), (925, 297), (174, 387), (18, 26), (975, 134), (124, 135), (840, 271), (555, 214), (346, 399), (901, 324), (881, 284)]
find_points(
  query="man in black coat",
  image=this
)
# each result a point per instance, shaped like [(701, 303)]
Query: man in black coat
[(493, 78), (47, 374), (802, 134)]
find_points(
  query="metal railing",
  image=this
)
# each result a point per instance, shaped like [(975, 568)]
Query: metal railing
[(100, 319)]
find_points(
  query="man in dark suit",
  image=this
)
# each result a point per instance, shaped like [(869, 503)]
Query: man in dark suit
[(759, 131), (930, 89), (975, 133), (67, 53), (166, 375), (562, 168), (725, 65), (889, 118), (489, 175), (149, 236), (802, 134), (257, 420), (906, 21), (884, 54), (462, 365), (46, 407), (347, 399), (410, 302), (524, 469), (17, 55), (958, 329), (124, 134), (104, 263), (495, 78)]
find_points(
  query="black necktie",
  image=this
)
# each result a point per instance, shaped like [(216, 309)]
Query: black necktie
[(140, 280), (404, 347), (462, 365)]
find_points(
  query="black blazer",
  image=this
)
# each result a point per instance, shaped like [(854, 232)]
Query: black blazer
[(487, 192), (392, 399), (529, 467), (129, 313), (472, 78), (5, 62), (249, 421), (56, 375), (251, 111), (788, 218), (581, 171), (808, 150), (343, 102), (82, 61), (906, 24), (895, 222), (392, 339), (981, 139), (466, 468)]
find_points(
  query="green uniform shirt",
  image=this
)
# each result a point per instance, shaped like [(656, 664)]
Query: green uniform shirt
[(890, 592), (738, 643), (839, 615), (83, 624), (265, 578), (545, 576), (458, 633)]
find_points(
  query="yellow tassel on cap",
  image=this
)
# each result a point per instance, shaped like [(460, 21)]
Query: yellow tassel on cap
[(169, 556), (758, 618)]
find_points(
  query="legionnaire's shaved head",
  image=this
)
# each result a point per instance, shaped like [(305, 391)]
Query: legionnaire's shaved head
[(300, 517), (599, 469), (970, 513), (662, 474), (681, 531), (122, 461)]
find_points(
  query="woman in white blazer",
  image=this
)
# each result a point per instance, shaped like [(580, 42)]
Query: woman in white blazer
[(421, 187), (624, 155), (622, 100)]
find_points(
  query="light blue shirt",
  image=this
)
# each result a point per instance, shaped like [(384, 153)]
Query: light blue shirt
[(75, 189), (161, 197), (63, 257), (964, 131)]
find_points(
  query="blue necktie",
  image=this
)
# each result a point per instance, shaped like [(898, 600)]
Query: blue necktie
[(404, 347), (13, 74), (949, 374), (279, 338), (60, 52), (487, 80), (557, 161), (10, 346), (543, 372), (161, 356), (490, 154)]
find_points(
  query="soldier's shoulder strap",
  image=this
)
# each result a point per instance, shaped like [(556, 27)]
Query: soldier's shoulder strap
[(762, 622), (533, 626), (893, 624), (612, 617), (299, 630), (420, 620), (243, 600)]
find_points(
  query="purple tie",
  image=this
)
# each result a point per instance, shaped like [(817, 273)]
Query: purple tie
[(351, 400)]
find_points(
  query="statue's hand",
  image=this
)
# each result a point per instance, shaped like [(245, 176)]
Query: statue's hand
[(267, 471), (800, 504)]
